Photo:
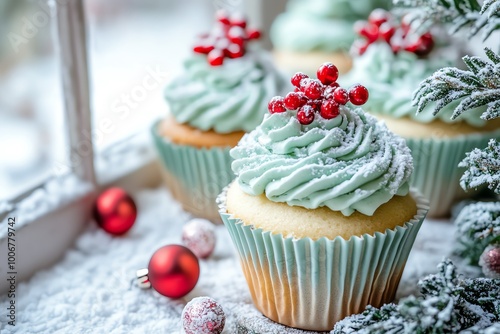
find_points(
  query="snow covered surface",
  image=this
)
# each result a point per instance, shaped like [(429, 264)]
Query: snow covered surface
[(92, 290)]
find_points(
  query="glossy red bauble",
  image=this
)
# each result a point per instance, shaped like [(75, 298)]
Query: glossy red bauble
[(297, 78), (115, 211), (313, 89), (358, 95), (329, 109), (294, 100), (173, 271), (341, 96)]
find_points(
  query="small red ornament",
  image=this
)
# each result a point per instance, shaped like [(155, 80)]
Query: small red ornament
[(358, 95), (277, 104), (313, 89), (173, 271), (203, 315), (341, 96), (115, 211), (490, 261), (199, 236), (294, 100)]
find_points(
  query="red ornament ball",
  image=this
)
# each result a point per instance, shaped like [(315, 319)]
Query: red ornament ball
[(358, 95), (203, 315), (115, 211), (294, 100), (490, 261), (199, 236), (327, 73), (341, 96), (173, 271), (313, 89)]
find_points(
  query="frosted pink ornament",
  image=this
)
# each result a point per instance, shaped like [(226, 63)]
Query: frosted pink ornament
[(203, 315), (199, 236)]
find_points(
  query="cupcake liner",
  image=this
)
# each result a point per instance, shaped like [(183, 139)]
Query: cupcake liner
[(436, 172), (311, 284), (195, 176)]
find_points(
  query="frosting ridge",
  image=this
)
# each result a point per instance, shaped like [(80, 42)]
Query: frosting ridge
[(348, 163), (227, 98)]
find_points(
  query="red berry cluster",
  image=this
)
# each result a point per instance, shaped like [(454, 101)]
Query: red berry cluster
[(227, 39), (323, 95), (381, 26)]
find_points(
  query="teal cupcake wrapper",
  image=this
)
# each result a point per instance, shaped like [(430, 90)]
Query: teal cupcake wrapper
[(311, 284), (436, 173), (195, 176)]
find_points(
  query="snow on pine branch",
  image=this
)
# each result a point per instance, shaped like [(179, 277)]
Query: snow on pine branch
[(459, 13), (483, 167), (479, 86)]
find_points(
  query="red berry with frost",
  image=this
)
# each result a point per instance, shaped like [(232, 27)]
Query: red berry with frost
[(315, 104), (368, 30), (254, 34), (423, 46), (358, 95), (222, 17), (276, 105), (237, 19), (327, 73), (203, 315), (329, 109), (305, 115), (341, 96), (215, 57), (313, 89), (237, 35), (378, 16), (386, 31), (359, 47), (294, 100), (203, 48), (297, 78), (234, 51)]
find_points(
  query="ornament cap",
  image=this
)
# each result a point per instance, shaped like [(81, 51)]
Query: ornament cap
[(143, 278)]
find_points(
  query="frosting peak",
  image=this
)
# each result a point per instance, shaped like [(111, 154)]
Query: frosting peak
[(347, 163), (226, 98)]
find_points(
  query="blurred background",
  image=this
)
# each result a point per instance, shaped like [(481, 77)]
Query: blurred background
[(135, 47)]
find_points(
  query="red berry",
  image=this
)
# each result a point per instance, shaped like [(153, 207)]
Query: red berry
[(297, 78), (294, 100), (237, 19), (378, 16), (276, 105), (222, 17), (254, 34), (316, 104), (359, 47), (234, 51), (341, 96), (367, 30), (327, 73), (237, 35), (358, 95), (215, 57), (329, 109), (313, 89), (305, 115), (423, 46), (203, 48), (386, 31)]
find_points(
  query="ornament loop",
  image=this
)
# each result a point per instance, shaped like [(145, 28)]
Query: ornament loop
[(143, 278)]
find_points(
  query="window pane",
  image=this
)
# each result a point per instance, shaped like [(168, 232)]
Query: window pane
[(136, 46), (33, 143)]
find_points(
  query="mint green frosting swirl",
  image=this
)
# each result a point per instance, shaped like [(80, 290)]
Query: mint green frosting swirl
[(320, 25), (392, 78), (349, 163), (226, 98)]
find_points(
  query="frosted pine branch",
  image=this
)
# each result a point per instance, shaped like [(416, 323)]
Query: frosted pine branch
[(459, 13), (483, 167), (479, 86)]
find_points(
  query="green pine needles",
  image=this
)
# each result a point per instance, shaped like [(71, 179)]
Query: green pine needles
[(448, 304)]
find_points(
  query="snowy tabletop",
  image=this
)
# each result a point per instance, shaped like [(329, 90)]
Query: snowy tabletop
[(92, 289)]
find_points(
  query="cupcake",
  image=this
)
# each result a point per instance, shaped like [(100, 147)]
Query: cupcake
[(392, 61), (220, 96), (310, 33), (321, 212)]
